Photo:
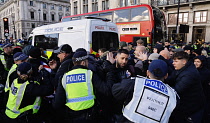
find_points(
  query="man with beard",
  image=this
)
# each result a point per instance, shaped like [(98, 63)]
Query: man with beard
[(121, 70)]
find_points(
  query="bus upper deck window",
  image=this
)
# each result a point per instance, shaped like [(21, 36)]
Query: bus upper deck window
[(121, 15), (106, 15), (139, 14)]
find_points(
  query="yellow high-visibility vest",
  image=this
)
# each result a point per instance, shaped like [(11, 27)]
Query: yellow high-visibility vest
[(13, 68), (79, 90), (15, 98)]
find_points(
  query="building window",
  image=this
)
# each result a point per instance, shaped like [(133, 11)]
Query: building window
[(33, 25), (123, 3), (133, 2), (94, 5), (200, 17), (105, 4), (67, 9), (44, 5), (52, 7), (75, 8), (183, 18), (44, 17), (85, 6), (52, 17), (31, 3), (32, 15), (60, 17), (60, 8)]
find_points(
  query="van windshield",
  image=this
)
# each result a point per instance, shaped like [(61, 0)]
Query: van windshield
[(104, 40), (47, 41)]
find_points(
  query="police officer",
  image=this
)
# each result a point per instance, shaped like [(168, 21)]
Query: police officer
[(18, 58), (6, 61), (144, 99), (24, 95), (75, 91)]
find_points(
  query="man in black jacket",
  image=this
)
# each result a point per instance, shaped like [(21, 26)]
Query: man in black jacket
[(187, 84), (120, 68), (64, 53)]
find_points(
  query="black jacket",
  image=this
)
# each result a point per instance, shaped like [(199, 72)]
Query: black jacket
[(65, 66), (188, 86), (205, 80)]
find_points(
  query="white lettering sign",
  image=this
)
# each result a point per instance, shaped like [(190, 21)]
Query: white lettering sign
[(152, 104)]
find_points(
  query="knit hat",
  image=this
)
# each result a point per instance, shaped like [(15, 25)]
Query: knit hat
[(158, 68), (24, 68), (27, 49), (64, 48), (19, 56), (79, 56), (35, 53), (153, 56)]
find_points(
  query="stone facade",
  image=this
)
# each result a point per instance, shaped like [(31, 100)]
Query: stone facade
[(194, 13), (24, 15)]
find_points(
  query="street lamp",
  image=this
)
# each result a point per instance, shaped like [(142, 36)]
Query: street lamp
[(177, 19), (14, 29), (39, 15)]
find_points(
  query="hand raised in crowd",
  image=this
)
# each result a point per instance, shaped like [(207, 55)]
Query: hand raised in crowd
[(110, 57), (142, 56), (41, 67), (53, 64)]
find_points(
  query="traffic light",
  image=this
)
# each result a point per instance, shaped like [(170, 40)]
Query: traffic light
[(6, 25)]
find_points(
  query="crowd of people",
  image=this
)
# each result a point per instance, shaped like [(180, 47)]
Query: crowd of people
[(136, 83)]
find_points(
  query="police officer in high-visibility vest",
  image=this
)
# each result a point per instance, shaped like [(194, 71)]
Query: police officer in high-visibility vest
[(147, 100), (18, 58), (75, 91), (6, 62), (25, 95)]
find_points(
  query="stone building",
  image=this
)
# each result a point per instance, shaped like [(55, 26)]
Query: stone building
[(193, 13), (24, 15)]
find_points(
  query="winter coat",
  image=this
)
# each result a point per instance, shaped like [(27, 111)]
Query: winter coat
[(188, 86)]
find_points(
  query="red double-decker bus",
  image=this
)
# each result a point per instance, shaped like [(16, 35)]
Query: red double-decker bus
[(134, 22)]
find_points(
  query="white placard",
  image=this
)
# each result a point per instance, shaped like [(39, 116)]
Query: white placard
[(152, 104)]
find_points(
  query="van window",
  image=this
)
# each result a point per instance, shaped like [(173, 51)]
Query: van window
[(47, 41), (30, 40), (104, 40)]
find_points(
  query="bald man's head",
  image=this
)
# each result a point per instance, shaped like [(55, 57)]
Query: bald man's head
[(165, 53), (140, 49)]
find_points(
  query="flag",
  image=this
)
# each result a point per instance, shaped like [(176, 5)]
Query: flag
[(46, 67)]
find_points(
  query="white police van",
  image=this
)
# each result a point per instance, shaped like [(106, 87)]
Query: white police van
[(91, 34)]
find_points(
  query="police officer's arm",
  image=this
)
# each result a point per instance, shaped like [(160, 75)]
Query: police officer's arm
[(60, 97)]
